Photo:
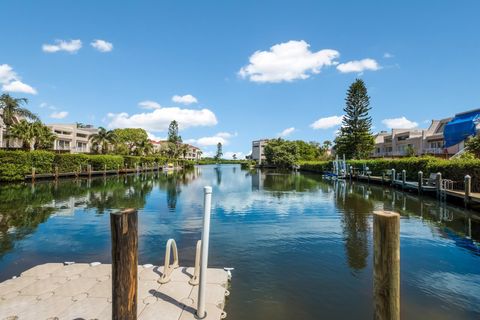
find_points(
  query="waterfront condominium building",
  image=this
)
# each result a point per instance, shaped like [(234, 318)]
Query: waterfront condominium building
[(258, 147), (73, 138), (443, 137), (192, 153)]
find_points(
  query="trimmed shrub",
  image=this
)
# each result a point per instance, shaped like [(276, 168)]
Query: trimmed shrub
[(68, 162), (13, 165), (99, 162), (41, 160)]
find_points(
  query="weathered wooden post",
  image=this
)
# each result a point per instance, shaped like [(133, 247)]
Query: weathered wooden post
[(393, 177), (124, 229), (438, 183), (207, 204), (105, 169), (351, 172), (89, 170), (33, 174), (383, 178), (56, 172), (386, 265), (468, 189), (404, 178), (420, 182)]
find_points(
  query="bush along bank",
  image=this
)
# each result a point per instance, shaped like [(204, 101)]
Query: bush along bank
[(15, 165), (454, 170)]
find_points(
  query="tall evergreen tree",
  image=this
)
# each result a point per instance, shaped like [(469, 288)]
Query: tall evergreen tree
[(173, 135), (355, 139), (219, 154)]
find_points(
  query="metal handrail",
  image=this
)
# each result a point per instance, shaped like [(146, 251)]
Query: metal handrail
[(196, 272), (169, 267)]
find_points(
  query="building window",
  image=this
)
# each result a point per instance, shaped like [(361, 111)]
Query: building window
[(63, 145)]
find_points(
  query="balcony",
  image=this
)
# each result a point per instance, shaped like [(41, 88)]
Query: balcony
[(434, 151)]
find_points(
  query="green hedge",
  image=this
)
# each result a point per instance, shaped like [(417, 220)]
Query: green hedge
[(454, 170), (15, 165)]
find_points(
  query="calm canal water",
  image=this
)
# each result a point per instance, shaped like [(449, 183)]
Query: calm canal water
[(301, 246)]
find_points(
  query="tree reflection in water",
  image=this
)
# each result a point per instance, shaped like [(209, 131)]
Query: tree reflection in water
[(24, 206), (355, 209)]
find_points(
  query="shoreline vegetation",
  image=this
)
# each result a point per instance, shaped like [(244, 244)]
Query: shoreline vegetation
[(15, 165), (455, 169)]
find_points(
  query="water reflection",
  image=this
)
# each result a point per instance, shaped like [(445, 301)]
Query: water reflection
[(355, 208), (264, 223), (24, 206)]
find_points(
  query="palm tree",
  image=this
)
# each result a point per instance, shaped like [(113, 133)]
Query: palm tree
[(45, 138), (102, 139), (34, 135), (184, 150), (11, 109), (23, 131), (144, 148)]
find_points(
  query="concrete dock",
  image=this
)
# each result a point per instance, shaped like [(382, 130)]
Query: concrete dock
[(84, 291)]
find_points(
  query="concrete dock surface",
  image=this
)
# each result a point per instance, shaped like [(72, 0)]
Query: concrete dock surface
[(84, 291)]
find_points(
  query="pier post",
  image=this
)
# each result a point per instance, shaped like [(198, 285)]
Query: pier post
[(56, 172), (105, 169), (468, 189), (394, 176), (118, 169), (404, 178), (207, 204), (33, 174), (351, 172), (124, 229), (89, 170), (438, 184), (420, 182), (383, 178), (386, 265)]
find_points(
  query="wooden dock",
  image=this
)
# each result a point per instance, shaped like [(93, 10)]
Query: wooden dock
[(472, 198), (84, 291)]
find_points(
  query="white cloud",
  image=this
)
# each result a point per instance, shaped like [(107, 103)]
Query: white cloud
[(151, 136), (226, 135), (7, 74), (11, 82), (358, 66), (222, 137), (286, 132), (18, 86), (149, 105), (71, 46), (48, 106), (59, 115), (159, 119), (327, 122), (186, 99), (399, 123), (388, 55), (287, 61), (229, 155), (102, 45)]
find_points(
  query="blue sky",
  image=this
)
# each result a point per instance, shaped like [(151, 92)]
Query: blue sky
[(255, 69)]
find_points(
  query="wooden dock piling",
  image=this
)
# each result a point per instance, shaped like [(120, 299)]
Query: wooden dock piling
[(404, 178), (124, 229), (33, 174), (386, 265), (394, 177)]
